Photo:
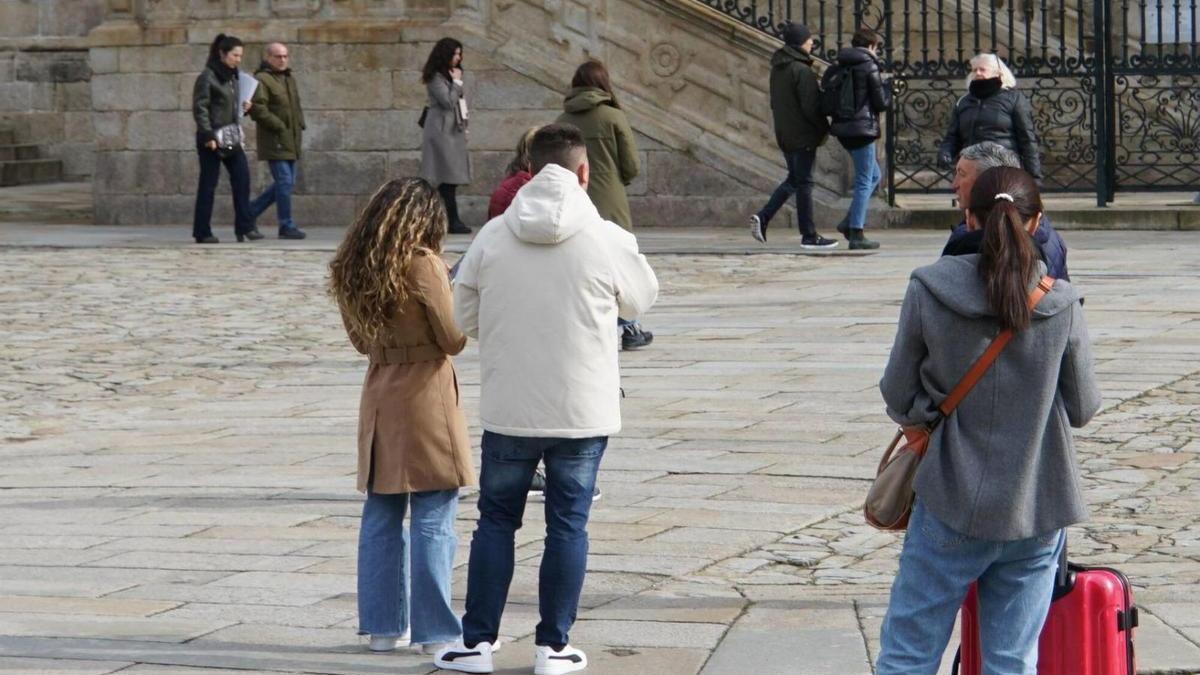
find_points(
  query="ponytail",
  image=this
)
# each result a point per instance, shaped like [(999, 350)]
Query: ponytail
[(222, 44), (1003, 200)]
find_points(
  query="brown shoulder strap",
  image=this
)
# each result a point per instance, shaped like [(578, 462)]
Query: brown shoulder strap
[(989, 356)]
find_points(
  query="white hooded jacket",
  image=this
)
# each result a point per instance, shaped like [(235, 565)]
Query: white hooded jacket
[(541, 288)]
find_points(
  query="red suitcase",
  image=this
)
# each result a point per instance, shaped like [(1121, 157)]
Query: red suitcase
[(1089, 630)]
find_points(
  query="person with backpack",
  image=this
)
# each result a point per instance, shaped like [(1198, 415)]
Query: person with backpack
[(999, 481), (800, 129), (853, 94)]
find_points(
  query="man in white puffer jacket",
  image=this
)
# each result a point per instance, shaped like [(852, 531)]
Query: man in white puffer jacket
[(541, 288)]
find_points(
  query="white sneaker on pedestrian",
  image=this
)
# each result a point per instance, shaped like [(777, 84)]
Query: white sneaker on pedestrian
[(457, 656), (388, 643), (550, 662), (757, 229)]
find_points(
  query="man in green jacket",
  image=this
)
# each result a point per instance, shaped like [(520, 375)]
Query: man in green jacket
[(800, 129), (280, 121)]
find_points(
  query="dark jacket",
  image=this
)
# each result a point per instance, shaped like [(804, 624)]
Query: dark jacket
[(1002, 466), (611, 151), (871, 97), (1054, 250), (278, 115), (988, 113), (796, 101), (214, 100)]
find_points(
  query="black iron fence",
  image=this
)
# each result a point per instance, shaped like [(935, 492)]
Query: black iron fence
[(1114, 84)]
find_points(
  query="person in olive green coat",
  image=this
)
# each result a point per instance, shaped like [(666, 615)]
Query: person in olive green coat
[(280, 122), (592, 107)]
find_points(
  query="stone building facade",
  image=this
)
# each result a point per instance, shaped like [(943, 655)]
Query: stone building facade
[(693, 83)]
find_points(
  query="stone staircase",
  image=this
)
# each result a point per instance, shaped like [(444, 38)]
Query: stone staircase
[(23, 164)]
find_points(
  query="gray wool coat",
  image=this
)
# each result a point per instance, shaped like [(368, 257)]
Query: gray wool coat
[(444, 157), (1002, 466)]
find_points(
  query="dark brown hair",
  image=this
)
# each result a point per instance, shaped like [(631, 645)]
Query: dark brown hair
[(439, 59), (593, 74), (865, 37), (1008, 257), (559, 144)]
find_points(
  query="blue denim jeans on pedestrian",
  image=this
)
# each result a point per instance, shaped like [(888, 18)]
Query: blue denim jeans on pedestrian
[(278, 193), (508, 465), (937, 564), (385, 604), (799, 182), (867, 175)]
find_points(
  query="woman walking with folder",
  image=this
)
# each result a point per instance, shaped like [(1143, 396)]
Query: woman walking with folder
[(1000, 480), (413, 454)]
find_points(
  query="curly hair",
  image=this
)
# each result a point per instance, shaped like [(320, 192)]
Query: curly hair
[(440, 58), (368, 276)]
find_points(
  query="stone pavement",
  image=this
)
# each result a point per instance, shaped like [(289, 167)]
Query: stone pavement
[(176, 483)]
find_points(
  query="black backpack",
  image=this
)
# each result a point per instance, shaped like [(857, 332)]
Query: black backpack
[(837, 93)]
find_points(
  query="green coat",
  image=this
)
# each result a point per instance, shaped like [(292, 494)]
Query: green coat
[(796, 101), (277, 112), (611, 152)]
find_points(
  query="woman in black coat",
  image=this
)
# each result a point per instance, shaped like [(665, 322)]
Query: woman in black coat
[(992, 110), (215, 109)]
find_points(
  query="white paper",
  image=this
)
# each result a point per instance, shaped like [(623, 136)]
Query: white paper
[(247, 84)]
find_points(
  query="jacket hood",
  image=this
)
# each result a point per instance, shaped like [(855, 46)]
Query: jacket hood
[(265, 67), (954, 281), (853, 56), (551, 208), (583, 99), (788, 54)]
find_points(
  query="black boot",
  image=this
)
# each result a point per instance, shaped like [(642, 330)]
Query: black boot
[(859, 241)]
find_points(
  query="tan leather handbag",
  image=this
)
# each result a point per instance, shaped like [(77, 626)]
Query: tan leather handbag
[(890, 499)]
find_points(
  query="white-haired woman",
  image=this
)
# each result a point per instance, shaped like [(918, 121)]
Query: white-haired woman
[(993, 110)]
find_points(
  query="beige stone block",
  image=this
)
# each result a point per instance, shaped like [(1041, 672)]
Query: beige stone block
[(343, 173), (160, 130), (73, 96), (104, 60), (20, 19), (673, 173), (109, 129), (349, 32), (120, 209), (408, 91), (137, 172), (125, 91), (340, 90), (500, 130), (72, 18), (508, 90), (182, 58), (16, 96)]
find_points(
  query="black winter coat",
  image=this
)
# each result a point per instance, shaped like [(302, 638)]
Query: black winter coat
[(796, 101), (214, 101), (871, 96), (987, 114)]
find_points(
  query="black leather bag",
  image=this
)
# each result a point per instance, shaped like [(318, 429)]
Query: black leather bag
[(421, 119)]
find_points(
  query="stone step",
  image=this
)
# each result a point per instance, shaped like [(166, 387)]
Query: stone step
[(30, 171), (7, 137), (9, 153)]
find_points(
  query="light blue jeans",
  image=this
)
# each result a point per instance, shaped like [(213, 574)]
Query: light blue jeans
[(937, 564), (278, 193), (385, 604), (867, 175)]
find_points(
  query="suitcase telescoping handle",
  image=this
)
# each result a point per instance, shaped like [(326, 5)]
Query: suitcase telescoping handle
[(1064, 578)]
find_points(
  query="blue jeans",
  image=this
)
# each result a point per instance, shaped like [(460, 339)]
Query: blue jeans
[(937, 564), (508, 465), (867, 175), (278, 193), (799, 182), (385, 604)]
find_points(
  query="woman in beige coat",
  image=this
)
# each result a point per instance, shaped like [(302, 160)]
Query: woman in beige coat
[(394, 294)]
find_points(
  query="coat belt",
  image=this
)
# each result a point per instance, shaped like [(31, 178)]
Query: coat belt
[(391, 356)]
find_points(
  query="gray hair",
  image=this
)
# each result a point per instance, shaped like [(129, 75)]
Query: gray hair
[(1007, 79), (989, 155)]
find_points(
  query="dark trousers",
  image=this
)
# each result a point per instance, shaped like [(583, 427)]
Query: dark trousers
[(799, 182), (239, 184), (447, 191)]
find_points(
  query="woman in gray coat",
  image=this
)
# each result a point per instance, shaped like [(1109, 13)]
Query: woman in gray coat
[(444, 159), (1000, 479)]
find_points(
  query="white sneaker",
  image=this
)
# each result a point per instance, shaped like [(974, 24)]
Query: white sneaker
[(478, 659), (550, 662), (388, 643), (757, 229)]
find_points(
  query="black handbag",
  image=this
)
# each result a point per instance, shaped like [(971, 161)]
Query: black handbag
[(421, 119)]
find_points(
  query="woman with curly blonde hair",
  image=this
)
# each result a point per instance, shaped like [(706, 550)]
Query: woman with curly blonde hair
[(394, 294)]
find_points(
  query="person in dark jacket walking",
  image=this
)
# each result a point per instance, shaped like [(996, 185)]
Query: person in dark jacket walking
[(216, 111), (857, 132), (800, 129), (444, 158), (972, 162), (992, 110), (280, 124), (1000, 479)]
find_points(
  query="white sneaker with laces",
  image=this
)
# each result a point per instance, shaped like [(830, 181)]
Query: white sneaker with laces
[(757, 229), (549, 662), (457, 656)]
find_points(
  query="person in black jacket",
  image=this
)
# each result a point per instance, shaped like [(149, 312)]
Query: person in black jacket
[(800, 129), (215, 107), (993, 110), (857, 132)]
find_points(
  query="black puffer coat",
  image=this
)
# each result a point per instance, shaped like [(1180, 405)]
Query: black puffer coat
[(989, 113), (214, 100), (871, 96)]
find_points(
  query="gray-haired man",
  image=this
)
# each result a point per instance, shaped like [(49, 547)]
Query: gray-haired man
[(972, 162)]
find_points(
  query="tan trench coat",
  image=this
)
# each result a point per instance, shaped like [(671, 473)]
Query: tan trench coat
[(412, 434)]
